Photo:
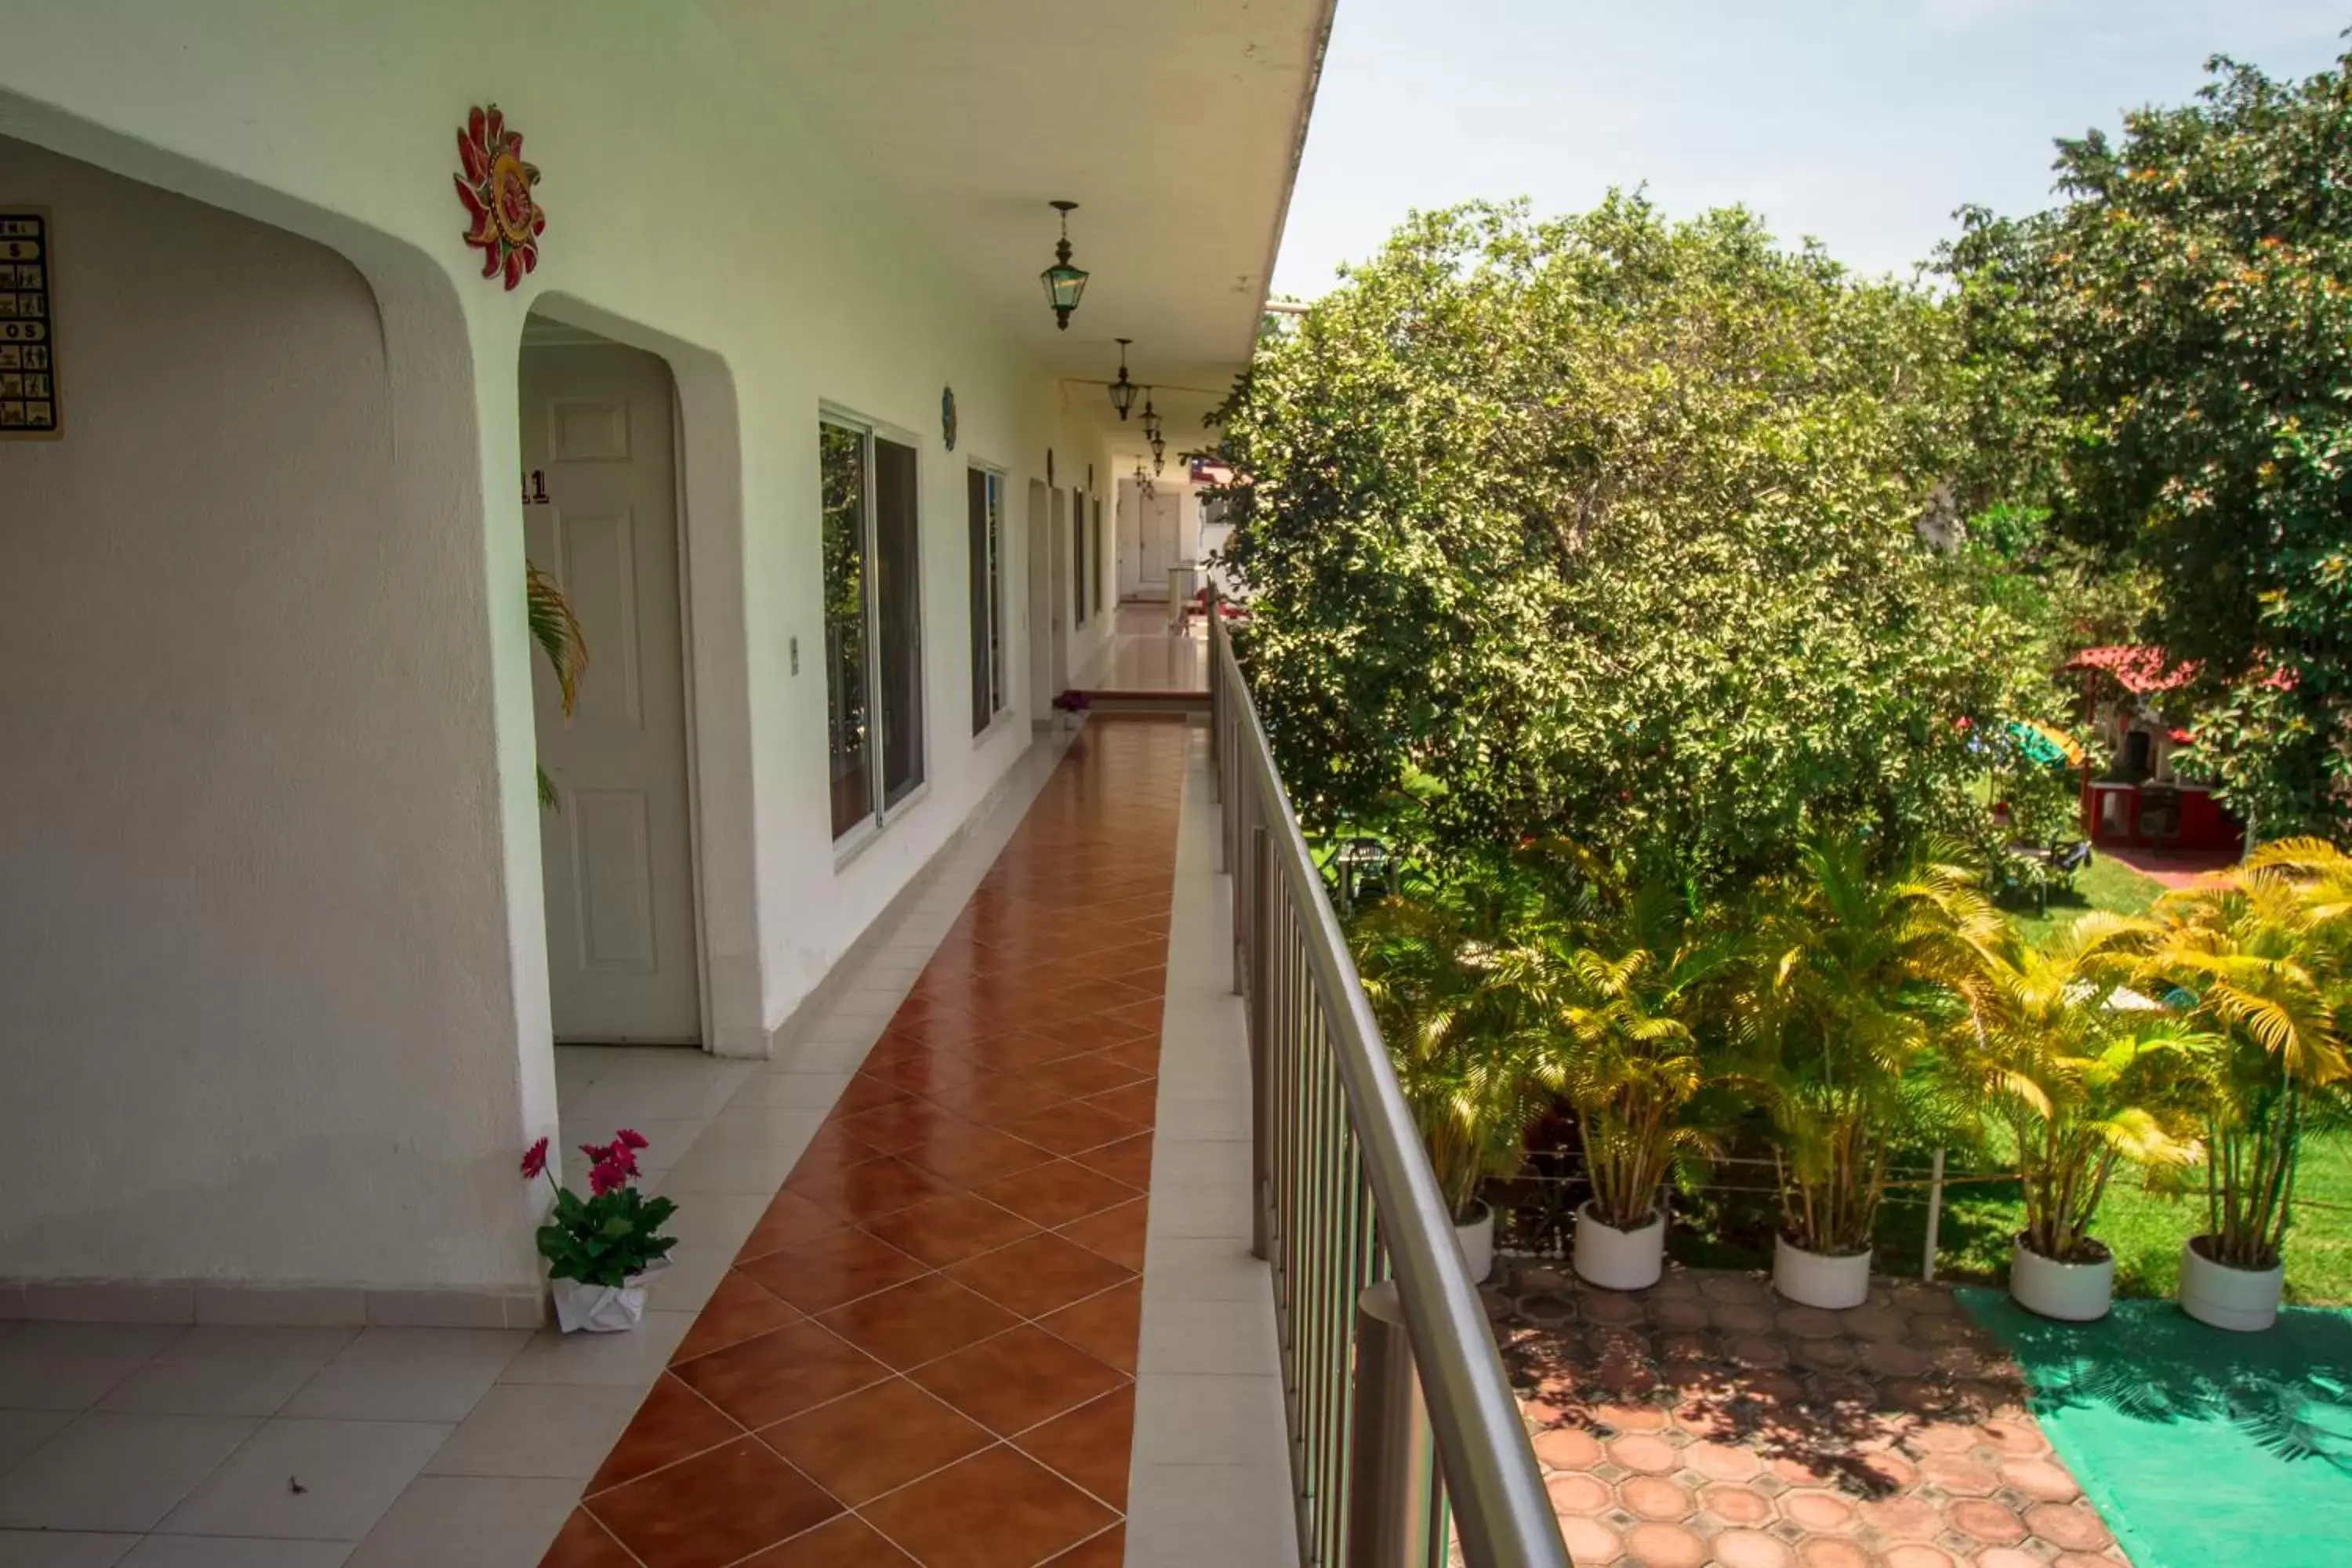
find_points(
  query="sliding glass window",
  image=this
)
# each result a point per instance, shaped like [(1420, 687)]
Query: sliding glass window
[(873, 623), (984, 496)]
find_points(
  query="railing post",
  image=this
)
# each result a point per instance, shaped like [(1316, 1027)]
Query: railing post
[(1935, 1219), (1391, 1453), (1261, 1028)]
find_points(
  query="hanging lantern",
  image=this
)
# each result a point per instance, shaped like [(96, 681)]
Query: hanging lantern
[(1065, 284), (1122, 391), (1150, 416), (1159, 454)]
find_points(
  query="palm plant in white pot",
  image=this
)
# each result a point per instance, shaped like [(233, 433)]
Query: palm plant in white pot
[(1424, 959), (2081, 1075), (1613, 1001), (1852, 978), (2263, 958)]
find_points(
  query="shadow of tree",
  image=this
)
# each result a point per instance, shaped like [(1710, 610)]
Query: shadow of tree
[(2289, 1389), (1826, 1398)]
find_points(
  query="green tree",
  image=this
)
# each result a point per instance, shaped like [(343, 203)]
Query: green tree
[(1612, 526), (2164, 359)]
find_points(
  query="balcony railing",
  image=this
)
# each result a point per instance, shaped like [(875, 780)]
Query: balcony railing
[(1404, 1436)]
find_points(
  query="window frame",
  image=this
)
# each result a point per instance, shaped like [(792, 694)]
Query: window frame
[(881, 812), (992, 643)]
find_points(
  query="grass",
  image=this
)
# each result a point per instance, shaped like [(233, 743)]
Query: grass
[(2103, 884)]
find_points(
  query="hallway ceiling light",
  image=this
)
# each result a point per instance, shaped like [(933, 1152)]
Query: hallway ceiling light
[(1150, 416), (1122, 391), (1065, 284), (1159, 453)]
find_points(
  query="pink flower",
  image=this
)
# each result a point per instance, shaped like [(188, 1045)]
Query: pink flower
[(628, 1138), (534, 1159), (608, 1176)]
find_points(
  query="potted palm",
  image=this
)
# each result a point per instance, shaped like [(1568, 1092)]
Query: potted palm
[(1616, 994), (1852, 978), (1464, 1074), (2263, 958), (2078, 1072)]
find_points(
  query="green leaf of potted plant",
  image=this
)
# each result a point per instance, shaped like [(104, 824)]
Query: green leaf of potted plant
[(599, 1249), (2263, 958), (1464, 1073), (1853, 977), (2081, 1074), (1616, 996)]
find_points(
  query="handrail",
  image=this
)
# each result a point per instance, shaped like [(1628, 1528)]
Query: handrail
[(1500, 1510)]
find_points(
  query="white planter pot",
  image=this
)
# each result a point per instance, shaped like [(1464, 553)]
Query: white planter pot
[(1813, 1280), (1620, 1260), (2071, 1292), (598, 1309), (1477, 1241), (2245, 1300)]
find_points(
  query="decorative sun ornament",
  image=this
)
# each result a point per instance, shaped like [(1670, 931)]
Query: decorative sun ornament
[(496, 185)]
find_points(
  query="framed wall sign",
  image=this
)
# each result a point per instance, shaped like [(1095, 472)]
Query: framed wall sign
[(29, 409)]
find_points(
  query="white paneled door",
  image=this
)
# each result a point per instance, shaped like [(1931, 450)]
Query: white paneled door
[(617, 851)]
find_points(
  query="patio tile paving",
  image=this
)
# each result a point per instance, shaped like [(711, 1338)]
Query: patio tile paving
[(1705, 1422)]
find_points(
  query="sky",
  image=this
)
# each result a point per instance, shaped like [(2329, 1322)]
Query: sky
[(1860, 123)]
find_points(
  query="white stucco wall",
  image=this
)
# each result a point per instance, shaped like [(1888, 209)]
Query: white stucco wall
[(343, 945), (253, 985)]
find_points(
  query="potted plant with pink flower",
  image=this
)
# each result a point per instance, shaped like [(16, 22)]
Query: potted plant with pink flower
[(599, 1248), (1072, 705)]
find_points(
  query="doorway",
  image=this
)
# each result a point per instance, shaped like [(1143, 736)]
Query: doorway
[(1049, 630), (601, 522)]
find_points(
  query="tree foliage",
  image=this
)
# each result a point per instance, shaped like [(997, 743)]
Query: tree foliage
[(1612, 526), (2165, 360)]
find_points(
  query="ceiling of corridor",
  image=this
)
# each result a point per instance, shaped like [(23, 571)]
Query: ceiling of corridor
[(1175, 126)]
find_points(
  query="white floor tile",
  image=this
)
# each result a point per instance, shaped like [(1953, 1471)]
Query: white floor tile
[(236, 1551), (60, 1549), (748, 1169), (409, 1374), (631, 1359), (212, 1371), (1192, 1419), (469, 1522), (22, 1431), (792, 1090), (70, 1366), (549, 1431), (1205, 1269), (349, 1472), (766, 1126), (110, 1472)]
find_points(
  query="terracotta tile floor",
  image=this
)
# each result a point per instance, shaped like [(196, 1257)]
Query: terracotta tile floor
[(1706, 1421), (927, 1349)]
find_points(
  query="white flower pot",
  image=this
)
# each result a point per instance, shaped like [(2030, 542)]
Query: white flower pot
[(1816, 1279), (1476, 1237), (2071, 1292), (2245, 1300), (598, 1309), (1620, 1260)]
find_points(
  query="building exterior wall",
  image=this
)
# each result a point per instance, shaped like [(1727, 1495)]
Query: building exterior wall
[(390, 829)]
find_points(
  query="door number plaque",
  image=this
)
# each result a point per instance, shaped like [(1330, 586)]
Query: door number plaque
[(29, 370)]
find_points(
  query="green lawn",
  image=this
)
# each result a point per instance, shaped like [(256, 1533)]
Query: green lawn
[(2145, 1230), (2103, 884)]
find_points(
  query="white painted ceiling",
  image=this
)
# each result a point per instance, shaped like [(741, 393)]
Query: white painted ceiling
[(1175, 126)]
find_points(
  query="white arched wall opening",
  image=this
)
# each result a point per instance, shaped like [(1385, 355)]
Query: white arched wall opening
[(718, 659), (349, 1119)]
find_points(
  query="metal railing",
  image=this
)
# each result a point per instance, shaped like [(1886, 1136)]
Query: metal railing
[(1404, 1436)]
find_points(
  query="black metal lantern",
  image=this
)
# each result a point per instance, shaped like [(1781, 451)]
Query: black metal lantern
[(1065, 284), (1122, 391), (1159, 453), (1150, 416)]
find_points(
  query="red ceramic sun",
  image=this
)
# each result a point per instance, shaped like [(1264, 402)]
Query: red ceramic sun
[(495, 184)]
